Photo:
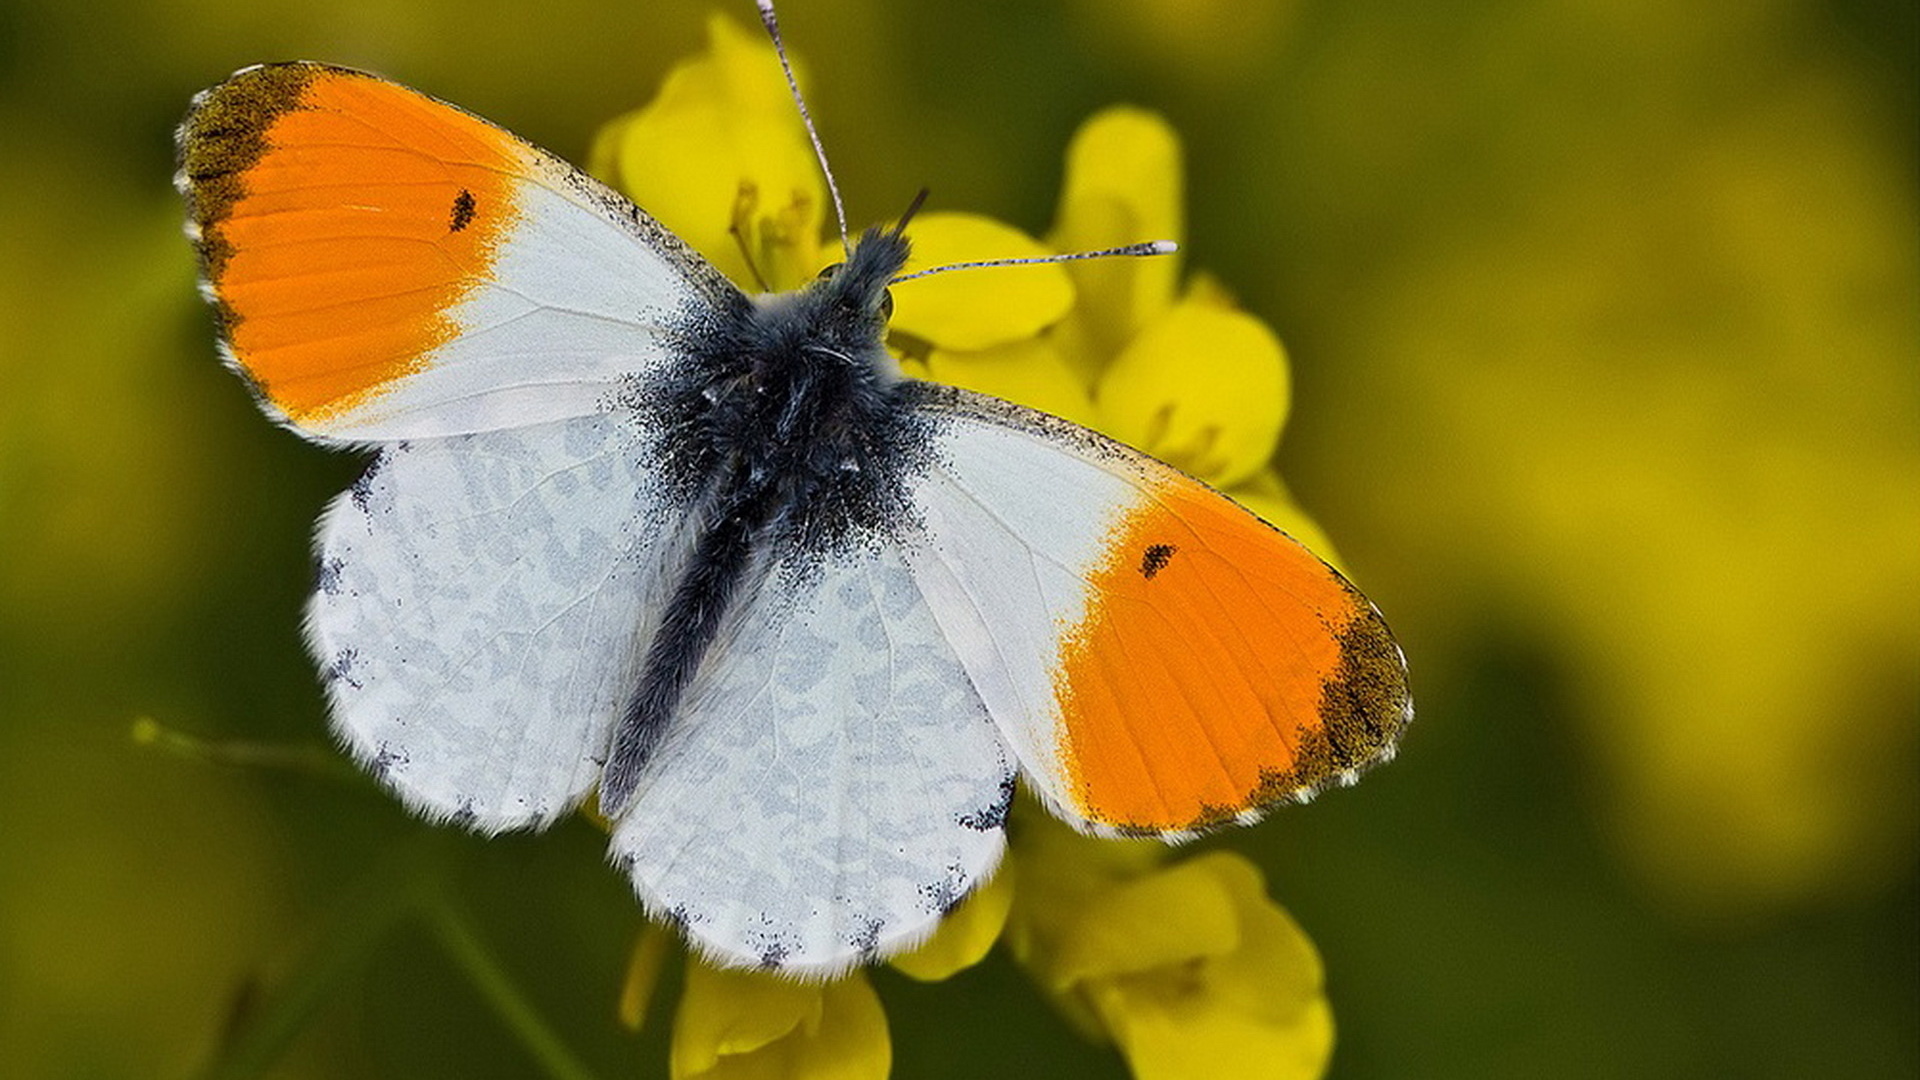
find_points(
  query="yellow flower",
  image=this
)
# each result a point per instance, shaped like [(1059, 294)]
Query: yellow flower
[(720, 153), (743, 1024), (1109, 343), (1123, 184), (1187, 378), (1191, 970)]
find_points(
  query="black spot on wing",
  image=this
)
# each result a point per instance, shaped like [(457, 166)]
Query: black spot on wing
[(679, 918), (362, 490), (385, 760), (945, 894), (993, 815), (326, 574), (340, 669), (773, 954), (462, 211), (865, 938), (1155, 559)]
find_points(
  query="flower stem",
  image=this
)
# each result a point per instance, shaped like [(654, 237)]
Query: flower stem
[(260, 1033), (310, 758), (457, 936)]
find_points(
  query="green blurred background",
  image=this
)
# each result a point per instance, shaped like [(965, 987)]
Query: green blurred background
[(1604, 317)]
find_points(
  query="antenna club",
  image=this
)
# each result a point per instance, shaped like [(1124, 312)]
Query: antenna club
[(1163, 247)]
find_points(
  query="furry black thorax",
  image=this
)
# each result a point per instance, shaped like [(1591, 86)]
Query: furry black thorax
[(794, 406), (790, 437)]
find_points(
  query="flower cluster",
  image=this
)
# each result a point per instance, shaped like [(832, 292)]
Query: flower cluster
[(1186, 966)]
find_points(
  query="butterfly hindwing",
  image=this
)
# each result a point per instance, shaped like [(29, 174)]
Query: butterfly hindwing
[(384, 265), (1161, 660), (481, 606), (832, 784)]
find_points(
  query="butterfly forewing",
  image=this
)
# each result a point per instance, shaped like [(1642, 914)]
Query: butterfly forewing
[(387, 266), (1162, 660)]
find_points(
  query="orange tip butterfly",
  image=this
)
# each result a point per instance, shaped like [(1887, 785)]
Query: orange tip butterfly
[(800, 620)]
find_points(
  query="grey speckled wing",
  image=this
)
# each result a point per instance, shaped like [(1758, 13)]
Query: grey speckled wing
[(480, 607), (833, 784)]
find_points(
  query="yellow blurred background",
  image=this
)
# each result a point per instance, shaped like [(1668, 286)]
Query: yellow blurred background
[(1605, 325)]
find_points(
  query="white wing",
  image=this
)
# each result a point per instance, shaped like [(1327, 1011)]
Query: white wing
[(832, 785), (481, 606)]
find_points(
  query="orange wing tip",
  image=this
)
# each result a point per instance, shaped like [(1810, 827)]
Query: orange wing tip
[(340, 220), (1364, 705), (1274, 679), (1364, 708), (224, 135)]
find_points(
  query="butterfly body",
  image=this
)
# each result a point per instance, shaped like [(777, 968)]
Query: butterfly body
[(789, 437), (800, 621)]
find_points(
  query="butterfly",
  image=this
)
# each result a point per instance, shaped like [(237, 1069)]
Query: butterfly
[(800, 621)]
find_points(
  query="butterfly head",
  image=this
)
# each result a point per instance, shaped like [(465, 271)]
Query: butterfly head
[(854, 293)]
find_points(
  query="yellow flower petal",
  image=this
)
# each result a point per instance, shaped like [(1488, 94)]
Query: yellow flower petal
[(721, 146), (727, 1012), (1172, 1044), (1205, 288), (1164, 919), (852, 1042), (1123, 185), (743, 1025), (1276, 971), (965, 935), (1256, 1010), (1061, 871), (1191, 970), (1266, 494), (650, 952), (1203, 388), (977, 309), (1030, 372)]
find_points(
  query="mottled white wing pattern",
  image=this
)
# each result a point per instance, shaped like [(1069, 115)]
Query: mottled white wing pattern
[(832, 785), (481, 606)]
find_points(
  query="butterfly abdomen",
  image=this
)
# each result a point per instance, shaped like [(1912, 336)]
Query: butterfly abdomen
[(720, 561)]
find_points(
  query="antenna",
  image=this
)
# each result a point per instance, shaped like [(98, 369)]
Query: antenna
[(773, 31), (1151, 247), (912, 209)]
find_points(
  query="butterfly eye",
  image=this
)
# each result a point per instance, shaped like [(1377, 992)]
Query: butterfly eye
[(827, 273), (886, 304)]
